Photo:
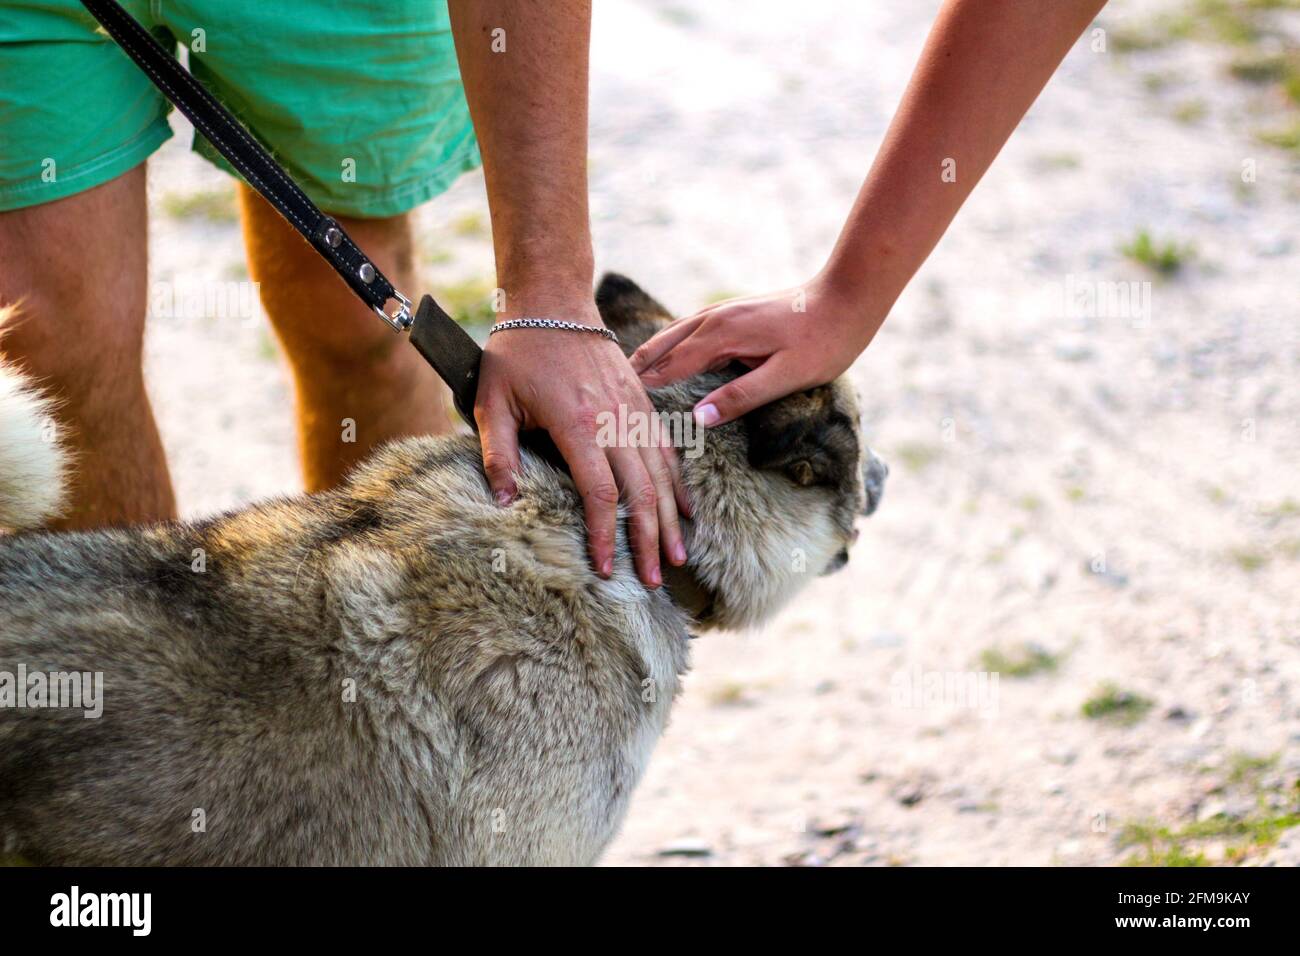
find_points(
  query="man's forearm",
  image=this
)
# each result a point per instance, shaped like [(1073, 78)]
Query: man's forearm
[(983, 65), (524, 67)]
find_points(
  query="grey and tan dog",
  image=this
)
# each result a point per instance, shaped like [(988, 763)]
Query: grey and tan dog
[(394, 672)]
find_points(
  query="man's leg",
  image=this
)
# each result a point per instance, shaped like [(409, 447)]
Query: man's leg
[(77, 269), (358, 382)]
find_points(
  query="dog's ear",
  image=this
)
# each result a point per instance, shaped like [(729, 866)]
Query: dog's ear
[(806, 436), (629, 311)]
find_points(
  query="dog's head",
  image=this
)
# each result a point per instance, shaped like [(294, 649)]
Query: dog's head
[(775, 495)]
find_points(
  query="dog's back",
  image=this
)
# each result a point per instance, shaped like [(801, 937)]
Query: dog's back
[(380, 674)]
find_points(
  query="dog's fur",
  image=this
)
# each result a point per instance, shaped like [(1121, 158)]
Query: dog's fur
[(397, 671)]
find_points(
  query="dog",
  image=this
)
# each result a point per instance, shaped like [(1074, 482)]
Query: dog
[(397, 671)]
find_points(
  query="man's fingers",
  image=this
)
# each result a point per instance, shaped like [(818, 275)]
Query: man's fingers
[(764, 384), (595, 481), (499, 435), (670, 529), (654, 348), (641, 497), (674, 463)]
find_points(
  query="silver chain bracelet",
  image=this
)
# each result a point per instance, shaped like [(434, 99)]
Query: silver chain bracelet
[(527, 323)]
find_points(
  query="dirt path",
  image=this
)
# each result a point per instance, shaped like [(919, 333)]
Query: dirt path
[(1091, 495)]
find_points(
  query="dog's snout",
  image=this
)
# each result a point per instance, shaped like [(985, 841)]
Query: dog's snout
[(841, 558), (874, 473)]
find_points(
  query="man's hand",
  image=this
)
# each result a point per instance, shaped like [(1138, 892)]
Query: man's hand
[(561, 381), (524, 66)]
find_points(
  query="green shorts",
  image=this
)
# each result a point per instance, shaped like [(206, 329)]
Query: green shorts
[(360, 100)]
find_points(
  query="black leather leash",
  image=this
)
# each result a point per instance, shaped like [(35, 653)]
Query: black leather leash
[(454, 355)]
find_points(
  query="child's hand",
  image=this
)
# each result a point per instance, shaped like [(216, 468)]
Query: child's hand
[(791, 340)]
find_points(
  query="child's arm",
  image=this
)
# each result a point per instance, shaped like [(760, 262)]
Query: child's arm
[(983, 64)]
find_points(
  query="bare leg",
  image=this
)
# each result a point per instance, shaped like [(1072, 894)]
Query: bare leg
[(348, 366), (77, 269)]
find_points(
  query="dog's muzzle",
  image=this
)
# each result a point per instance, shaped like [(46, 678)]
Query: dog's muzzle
[(874, 473)]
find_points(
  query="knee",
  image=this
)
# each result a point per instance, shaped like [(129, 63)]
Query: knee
[(317, 318), (347, 340), (74, 346)]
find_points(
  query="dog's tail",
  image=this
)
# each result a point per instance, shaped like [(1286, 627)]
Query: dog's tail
[(32, 462)]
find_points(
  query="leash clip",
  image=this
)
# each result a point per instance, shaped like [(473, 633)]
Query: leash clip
[(401, 318)]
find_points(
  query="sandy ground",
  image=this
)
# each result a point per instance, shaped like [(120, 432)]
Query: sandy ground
[(1113, 494)]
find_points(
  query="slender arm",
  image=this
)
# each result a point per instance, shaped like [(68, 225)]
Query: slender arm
[(983, 65)]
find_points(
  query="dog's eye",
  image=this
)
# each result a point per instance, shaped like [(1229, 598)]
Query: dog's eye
[(801, 472)]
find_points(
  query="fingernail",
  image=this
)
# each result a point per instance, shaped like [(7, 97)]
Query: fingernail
[(607, 567), (706, 415), (679, 553), (504, 498), (655, 577)]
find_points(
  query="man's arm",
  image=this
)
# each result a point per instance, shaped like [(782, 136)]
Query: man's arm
[(524, 67), (983, 65)]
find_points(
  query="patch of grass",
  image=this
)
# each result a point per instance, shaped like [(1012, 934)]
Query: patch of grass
[(214, 205), (1248, 768), (1167, 258), (1030, 503), (1279, 69), (1117, 706), (1075, 493), (469, 301), (1283, 137), (1191, 111), (721, 295), (1256, 67), (267, 350), (1248, 559), (1291, 80), (1168, 846), (1058, 161), (1136, 37), (680, 16), (1025, 660), (470, 225), (1156, 852), (1234, 22), (1227, 21), (730, 694), (1158, 82), (916, 456), (437, 257)]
